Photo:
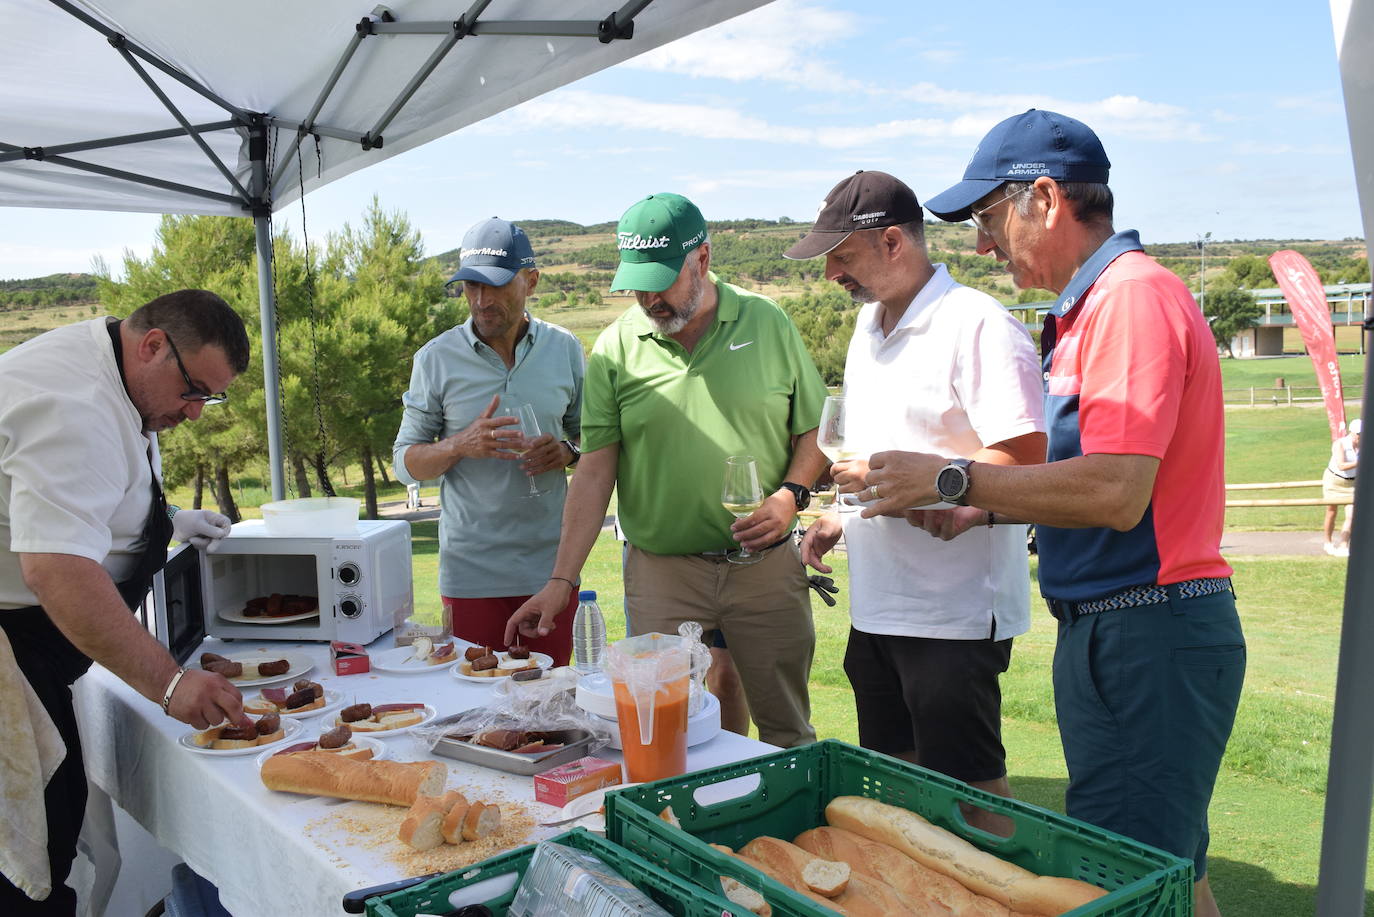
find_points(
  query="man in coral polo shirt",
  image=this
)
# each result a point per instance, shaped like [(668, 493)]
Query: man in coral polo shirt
[(1150, 657)]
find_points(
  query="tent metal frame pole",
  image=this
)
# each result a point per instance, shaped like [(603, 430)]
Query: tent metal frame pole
[(150, 57), (181, 119), (17, 152), (267, 307), (139, 179), (435, 58)]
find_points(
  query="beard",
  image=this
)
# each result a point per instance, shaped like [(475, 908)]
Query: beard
[(681, 315)]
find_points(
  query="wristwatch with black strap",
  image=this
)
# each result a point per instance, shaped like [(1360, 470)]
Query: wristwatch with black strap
[(576, 452), (953, 481), (800, 493)]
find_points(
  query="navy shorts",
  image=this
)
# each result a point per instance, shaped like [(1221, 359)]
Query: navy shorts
[(937, 698), (1146, 698)]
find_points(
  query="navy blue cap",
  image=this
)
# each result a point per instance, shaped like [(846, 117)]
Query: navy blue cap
[(1023, 148), (493, 251)]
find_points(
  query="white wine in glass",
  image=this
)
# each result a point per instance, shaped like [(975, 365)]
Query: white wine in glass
[(741, 495), (830, 440), (528, 428)]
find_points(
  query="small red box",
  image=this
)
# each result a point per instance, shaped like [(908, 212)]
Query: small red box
[(576, 778), (349, 658)]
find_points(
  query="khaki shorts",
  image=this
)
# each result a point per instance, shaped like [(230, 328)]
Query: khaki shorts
[(763, 609), (1335, 487)]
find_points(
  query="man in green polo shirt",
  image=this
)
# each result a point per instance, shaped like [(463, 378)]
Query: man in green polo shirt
[(700, 370)]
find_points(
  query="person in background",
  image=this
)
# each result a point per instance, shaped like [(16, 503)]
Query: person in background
[(1338, 482), (496, 541), (697, 371), (1150, 656), (83, 528), (933, 366)]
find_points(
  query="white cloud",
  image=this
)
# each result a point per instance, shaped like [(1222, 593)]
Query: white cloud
[(776, 42)]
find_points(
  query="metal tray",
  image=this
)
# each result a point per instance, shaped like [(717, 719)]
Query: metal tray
[(577, 743)]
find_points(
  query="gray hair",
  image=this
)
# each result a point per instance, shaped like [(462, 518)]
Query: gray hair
[(1091, 201)]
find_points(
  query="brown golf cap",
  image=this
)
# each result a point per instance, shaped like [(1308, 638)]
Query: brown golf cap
[(864, 200)]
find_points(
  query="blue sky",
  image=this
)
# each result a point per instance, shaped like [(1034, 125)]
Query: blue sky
[(1218, 118)]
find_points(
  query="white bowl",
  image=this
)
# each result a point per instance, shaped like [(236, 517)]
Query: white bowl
[(312, 516)]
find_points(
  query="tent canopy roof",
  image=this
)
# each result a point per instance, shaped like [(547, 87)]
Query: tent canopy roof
[(63, 80)]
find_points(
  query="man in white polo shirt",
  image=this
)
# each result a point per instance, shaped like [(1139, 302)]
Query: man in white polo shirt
[(936, 363)]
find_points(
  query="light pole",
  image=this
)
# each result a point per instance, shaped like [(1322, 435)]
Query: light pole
[(1202, 241)]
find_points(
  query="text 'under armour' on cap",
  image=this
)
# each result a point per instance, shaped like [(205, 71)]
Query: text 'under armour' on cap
[(654, 237), (493, 252), (864, 200), (1023, 148)]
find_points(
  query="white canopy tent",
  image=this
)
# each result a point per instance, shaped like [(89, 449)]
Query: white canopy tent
[(171, 107), (168, 107)]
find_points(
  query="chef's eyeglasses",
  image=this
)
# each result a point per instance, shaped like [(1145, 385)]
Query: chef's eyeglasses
[(193, 392), (976, 216)]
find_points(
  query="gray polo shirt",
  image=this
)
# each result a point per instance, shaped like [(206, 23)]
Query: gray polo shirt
[(494, 540)]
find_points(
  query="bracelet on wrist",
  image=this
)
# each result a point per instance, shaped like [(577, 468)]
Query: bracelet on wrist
[(171, 687), (564, 579)]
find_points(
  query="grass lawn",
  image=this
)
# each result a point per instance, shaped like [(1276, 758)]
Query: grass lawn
[(1266, 815)]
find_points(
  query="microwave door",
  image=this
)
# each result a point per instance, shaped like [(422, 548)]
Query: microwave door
[(179, 603)]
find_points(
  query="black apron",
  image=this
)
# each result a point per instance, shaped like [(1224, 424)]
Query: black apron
[(51, 664)]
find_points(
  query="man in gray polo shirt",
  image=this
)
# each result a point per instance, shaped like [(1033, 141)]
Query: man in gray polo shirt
[(496, 541)]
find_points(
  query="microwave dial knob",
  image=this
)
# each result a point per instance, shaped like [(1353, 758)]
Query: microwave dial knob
[(350, 606), (349, 574)]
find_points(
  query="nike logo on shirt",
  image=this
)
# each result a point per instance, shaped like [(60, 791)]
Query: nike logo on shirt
[(738, 346)]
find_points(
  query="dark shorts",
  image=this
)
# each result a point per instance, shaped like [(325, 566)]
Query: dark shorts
[(1146, 698), (483, 621), (938, 698)]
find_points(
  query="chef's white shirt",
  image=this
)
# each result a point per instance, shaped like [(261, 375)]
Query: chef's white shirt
[(957, 372), (74, 472)]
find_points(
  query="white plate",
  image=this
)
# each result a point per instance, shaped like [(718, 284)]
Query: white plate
[(241, 618), (332, 701), (394, 660), (378, 747), (300, 664), (585, 805), (539, 659), (429, 714), (290, 729)]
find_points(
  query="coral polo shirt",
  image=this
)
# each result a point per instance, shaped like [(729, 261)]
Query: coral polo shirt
[(1132, 369)]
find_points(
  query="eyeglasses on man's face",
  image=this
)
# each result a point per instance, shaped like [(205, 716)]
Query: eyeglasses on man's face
[(978, 217), (193, 392)]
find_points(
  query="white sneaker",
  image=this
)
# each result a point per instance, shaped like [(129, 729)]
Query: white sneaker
[(1329, 548), (1341, 550)]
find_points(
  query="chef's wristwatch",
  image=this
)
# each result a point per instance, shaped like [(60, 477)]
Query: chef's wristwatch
[(800, 493), (952, 483)]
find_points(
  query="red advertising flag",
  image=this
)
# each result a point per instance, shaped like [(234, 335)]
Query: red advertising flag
[(1303, 289)]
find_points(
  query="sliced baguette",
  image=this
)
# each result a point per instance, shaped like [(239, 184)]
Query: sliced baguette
[(391, 782), (826, 878), (453, 821), (481, 820), (745, 897)]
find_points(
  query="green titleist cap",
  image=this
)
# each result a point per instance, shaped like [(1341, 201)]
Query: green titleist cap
[(654, 237)]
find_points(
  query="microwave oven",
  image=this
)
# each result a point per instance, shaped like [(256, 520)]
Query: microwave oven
[(358, 585)]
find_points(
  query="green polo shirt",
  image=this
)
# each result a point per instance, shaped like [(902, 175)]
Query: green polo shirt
[(747, 388)]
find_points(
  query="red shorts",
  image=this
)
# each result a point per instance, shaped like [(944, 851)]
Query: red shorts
[(483, 621)]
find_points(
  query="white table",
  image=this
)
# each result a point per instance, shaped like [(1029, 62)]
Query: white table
[(253, 843)]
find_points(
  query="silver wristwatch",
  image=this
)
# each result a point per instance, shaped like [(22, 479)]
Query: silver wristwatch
[(952, 483)]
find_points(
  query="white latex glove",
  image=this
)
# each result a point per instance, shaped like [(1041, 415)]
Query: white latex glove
[(201, 527)]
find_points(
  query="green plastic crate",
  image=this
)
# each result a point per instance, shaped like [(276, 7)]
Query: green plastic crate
[(678, 897), (790, 796)]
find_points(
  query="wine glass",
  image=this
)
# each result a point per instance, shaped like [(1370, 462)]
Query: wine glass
[(830, 440), (741, 495), (527, 426)]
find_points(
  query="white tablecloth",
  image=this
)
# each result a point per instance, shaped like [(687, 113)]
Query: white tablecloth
[(251, 842)]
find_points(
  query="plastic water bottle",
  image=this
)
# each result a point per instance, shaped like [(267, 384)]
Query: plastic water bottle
[(589, 634)]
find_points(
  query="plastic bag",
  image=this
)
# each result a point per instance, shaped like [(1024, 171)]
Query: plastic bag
[(545, 705)]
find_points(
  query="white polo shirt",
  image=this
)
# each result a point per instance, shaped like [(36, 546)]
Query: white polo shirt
[(957, 372), (74, 473)]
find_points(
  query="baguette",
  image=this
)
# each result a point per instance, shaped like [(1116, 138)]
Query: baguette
[(390, 782), (923, 890), (860, 896), (481, 820), (738, 893), (979, 871), (422, 826), (453, 822)]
